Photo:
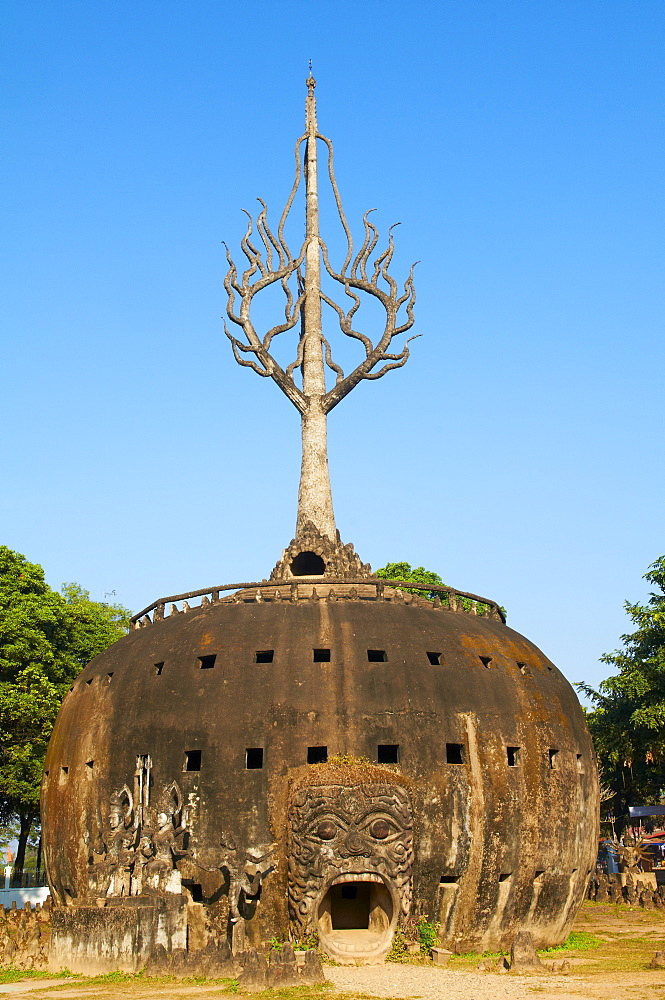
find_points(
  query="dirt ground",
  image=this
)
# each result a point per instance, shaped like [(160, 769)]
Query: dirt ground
[(610, 961)]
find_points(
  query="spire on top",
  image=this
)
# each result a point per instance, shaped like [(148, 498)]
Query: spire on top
[(310, 104), (271, 262)]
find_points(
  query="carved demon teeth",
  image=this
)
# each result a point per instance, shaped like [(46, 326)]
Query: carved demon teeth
[(357, 877)]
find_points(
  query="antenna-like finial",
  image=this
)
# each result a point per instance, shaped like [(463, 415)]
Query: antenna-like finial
[(310, 105)]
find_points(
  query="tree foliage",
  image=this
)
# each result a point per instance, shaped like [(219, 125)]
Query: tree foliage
[(404, 571), (46, 638), (627, 721)]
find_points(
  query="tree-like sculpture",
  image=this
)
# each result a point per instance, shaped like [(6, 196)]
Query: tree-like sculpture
[(300, 279)]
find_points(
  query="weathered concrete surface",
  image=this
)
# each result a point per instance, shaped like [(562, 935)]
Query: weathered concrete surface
[(92, 939), (501, 841), (25, 936), (523, 955)]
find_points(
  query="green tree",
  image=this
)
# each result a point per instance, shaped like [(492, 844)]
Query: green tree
[(627, 721), (403, 571), (46, 638)]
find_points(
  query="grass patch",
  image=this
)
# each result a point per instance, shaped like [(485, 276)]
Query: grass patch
[(576, 941), (479, 954), (8, 974), (140, 978)]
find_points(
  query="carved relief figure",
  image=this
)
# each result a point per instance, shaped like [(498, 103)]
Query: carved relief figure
[(341, 830), (136, 854), (160, 873), (244, 872), (113, 853)]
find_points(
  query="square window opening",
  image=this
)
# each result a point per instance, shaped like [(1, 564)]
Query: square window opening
[(253, 758), (317, 755), (504, 876), (449, 880), (486, 660), (196, 890), (539, 874), (192, 760), (89, 681), (454, 753), (387, 753), (376, 655), (207, 662), (523, 668), (580, 763), (553, 759), (109, 676), (264, 655), (434, 659), (159, 667), (64, 773), (322, 656), (513, 754)]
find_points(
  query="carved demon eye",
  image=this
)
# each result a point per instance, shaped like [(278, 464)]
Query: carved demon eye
[(326, 830), (380, 829)]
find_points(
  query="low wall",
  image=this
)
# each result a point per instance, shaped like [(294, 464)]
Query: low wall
[(25, 936), (638, 889), (160, 935), (93, 939), (22, 896)]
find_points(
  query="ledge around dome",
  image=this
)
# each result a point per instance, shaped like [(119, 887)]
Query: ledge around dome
[(317, 588)]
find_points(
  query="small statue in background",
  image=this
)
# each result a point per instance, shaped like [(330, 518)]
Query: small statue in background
[(632, 854)]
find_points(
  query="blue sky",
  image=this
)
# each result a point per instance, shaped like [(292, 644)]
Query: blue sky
[(519, 453)]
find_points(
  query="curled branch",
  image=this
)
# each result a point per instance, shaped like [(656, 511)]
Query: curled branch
[(393, 302), (268, 264), (331, 364), (399, 360)]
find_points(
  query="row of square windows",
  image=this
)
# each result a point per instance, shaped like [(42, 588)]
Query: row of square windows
[(207, 662), (386, 753)]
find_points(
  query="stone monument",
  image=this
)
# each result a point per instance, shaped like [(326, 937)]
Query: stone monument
[(319, 755)]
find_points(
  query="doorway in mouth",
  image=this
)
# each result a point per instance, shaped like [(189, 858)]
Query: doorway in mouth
[(355, 918)]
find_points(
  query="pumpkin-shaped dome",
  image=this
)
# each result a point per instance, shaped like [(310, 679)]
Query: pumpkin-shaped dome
[(362, 755)]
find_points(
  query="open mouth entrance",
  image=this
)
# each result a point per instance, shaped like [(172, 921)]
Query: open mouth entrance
[(355, 919)]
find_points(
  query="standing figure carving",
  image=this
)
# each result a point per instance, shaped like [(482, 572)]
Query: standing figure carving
[(114, 850), (631, 854), (137, 851), (160, 873)]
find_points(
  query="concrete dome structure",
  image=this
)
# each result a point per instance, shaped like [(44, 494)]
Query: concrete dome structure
[(321, 753), (478, 808)]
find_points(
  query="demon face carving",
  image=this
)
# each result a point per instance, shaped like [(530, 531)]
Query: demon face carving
[(341, 830)]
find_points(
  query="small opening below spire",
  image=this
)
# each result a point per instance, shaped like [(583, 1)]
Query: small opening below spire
[(308, 564)]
